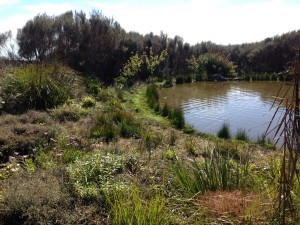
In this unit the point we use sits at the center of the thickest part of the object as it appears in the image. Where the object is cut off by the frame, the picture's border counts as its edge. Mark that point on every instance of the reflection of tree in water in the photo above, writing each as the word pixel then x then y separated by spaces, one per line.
pixel 211 92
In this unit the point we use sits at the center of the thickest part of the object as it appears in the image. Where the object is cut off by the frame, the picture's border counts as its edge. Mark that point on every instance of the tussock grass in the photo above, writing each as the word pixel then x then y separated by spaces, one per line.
pixel 215 173
pixel 35 87
pixel 241 135
pixel 224 131
pixel 130 207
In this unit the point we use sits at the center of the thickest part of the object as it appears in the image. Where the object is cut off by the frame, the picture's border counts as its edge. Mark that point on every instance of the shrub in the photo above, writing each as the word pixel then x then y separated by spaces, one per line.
pixel 88 102
pixel 106 131
pixel 168 82
pixel 67 113
pixel 199 77
pixel 130 129
pixel 188 79
pixel 114 123
pixel 224 131
pixel 170 154
pixel 179 80
pixel 32 199
pixel 89 174
pixel 35 87
pixel 92 87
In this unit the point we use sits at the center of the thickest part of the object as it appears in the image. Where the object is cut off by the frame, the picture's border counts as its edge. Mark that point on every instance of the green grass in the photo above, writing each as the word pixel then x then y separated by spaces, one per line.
pixel 215 173
pixel 129 207
pixel 137 102
pixel 35 87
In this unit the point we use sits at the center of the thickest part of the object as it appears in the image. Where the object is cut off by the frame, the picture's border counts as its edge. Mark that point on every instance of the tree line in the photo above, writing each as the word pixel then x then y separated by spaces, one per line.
pixel 99 46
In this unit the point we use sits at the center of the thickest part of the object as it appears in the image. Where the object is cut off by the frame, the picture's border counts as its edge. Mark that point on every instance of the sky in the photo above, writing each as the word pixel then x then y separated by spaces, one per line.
pixel 220 21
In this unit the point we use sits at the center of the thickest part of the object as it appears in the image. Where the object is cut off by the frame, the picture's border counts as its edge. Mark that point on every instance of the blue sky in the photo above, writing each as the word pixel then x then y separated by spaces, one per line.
pixel 220 21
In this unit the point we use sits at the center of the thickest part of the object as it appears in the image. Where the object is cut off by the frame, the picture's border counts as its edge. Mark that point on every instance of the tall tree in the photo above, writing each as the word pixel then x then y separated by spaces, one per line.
pixel 36 39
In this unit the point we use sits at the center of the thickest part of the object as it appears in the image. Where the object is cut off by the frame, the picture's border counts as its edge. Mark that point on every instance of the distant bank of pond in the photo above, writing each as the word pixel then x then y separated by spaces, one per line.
pixel 243 105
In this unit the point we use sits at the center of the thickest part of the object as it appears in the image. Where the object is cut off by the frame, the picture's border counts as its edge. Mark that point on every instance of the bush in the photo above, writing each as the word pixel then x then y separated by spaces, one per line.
pixel 170 154
pixel 179 80
pixel 92 87
pixel 88 102
pixel 188 79
pixel 68 113
pixel 115 122
pixel 168 82
pixel 130 129
pixel 224 131
pixel 199 77
pixel 32 199
pixel 35 87
pixel 89 174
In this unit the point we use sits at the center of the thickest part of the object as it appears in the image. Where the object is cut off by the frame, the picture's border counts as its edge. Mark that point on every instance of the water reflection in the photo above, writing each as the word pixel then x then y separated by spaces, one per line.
pixel 207 105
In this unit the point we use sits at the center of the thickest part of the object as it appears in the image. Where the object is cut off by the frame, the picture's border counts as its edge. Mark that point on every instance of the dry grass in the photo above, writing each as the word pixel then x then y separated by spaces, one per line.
pixel 19 135
pixel 235 207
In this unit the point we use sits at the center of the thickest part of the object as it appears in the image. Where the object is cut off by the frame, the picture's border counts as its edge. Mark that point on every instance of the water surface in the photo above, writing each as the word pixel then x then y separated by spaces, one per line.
pixel 207 105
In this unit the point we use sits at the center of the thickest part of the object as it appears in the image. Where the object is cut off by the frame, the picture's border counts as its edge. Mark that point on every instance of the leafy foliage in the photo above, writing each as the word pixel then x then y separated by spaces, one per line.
pixel 36 39
pixel 89 174
pixel 211 64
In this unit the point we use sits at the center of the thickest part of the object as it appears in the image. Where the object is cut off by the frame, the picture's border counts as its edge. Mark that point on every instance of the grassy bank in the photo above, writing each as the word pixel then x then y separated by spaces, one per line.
pixel 105 157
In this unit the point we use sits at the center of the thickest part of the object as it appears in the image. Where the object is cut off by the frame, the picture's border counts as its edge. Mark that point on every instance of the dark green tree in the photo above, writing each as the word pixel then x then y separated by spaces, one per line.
pixel 37 38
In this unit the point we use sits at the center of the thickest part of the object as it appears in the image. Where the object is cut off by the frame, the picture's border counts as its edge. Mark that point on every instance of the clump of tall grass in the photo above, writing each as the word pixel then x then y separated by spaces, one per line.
pixel 191 147
pixel 114 122
pixel 152 96
pixel 35 87
pixel 215 173
pixel 92 87
pixel 130 207
pixel 241 135
pixel 149 141
pixel 68 112
pixel 177 118
pixel 224 131
pixel 165 110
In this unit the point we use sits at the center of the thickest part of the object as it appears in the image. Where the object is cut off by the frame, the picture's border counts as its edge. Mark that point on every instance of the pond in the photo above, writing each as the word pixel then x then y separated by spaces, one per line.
pixel 242 105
